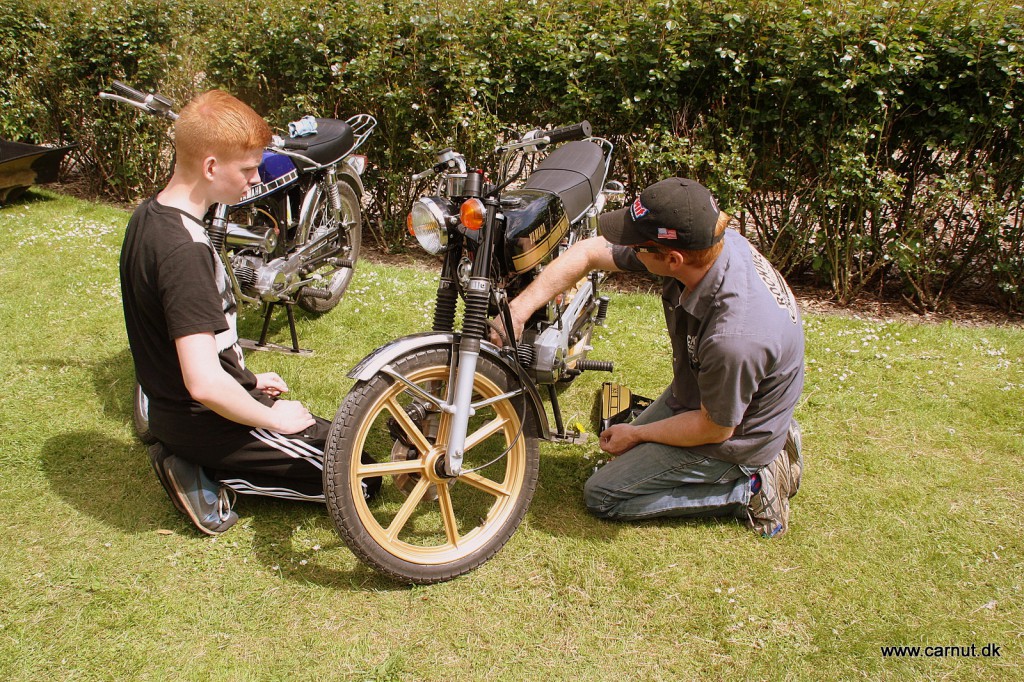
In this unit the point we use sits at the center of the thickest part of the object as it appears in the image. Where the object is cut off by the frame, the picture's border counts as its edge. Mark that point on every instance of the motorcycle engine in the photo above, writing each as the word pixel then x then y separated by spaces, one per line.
pixel 270 280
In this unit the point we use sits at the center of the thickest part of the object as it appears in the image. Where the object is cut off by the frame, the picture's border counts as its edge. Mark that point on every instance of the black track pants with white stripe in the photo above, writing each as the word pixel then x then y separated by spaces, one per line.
pixel 262 462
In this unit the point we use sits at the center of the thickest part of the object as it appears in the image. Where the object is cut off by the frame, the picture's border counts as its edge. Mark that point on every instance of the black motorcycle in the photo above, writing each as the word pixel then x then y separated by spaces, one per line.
pixel 452 420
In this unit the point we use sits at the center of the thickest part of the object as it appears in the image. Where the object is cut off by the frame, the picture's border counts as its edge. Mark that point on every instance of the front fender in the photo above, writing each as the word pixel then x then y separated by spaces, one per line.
pixel 385 355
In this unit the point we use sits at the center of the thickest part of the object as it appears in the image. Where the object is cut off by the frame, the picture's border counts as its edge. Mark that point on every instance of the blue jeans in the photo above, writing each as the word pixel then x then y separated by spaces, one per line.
pixel 656 480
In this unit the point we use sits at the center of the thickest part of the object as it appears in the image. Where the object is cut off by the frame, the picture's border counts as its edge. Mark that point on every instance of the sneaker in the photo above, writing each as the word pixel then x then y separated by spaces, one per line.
pixel 158 455
pixel 206 503
pixel 768 509
pixel 794 453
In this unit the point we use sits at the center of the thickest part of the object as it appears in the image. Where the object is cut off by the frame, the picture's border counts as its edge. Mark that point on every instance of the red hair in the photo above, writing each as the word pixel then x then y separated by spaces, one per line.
pixel 217 124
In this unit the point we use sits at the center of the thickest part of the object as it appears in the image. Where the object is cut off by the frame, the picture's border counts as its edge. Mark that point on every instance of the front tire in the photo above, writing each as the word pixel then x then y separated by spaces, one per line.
pixel 350 237
pixel 422 527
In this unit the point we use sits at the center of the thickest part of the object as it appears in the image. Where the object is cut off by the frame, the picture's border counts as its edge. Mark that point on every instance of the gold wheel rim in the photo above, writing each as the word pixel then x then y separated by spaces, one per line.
pixel 458 541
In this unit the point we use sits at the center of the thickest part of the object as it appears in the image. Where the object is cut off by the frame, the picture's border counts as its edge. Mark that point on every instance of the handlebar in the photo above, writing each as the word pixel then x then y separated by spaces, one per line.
pixel 530 142
pixel 154 104
pixel 448 161
pixel 129 92
pixel 577 131
pixel 536 140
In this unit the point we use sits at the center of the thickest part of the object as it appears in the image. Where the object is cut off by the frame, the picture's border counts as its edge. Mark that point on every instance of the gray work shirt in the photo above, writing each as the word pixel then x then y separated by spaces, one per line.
pixel 737 348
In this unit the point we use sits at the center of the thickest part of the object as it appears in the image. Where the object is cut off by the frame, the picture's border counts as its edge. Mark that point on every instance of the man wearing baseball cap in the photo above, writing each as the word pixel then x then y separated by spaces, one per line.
pixel 721 439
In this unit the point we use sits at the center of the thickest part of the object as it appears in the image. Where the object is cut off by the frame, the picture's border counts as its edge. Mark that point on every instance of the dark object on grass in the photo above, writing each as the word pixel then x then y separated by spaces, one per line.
pixel 619 405
pixel 23 165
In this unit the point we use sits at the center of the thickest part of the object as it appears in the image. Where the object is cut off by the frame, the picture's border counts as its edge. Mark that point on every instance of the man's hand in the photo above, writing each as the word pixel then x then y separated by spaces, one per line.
pixel 619 438
pixel 271 384
pixel 291 416
pixel 208 383
pixel 518 323
pixel 683 430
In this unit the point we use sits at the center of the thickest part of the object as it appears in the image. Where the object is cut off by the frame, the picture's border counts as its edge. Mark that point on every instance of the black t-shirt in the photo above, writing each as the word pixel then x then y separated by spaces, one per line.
pixel 174 285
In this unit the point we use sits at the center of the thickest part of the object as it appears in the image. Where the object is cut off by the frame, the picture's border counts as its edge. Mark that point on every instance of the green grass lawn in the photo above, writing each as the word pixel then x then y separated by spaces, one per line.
pixel 907 530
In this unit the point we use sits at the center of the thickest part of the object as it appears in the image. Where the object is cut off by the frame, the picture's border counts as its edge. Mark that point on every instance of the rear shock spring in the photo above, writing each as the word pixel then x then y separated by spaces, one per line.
pixel 334 195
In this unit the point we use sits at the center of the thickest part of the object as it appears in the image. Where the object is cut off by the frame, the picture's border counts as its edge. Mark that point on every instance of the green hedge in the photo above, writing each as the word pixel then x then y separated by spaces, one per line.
pixel 865 146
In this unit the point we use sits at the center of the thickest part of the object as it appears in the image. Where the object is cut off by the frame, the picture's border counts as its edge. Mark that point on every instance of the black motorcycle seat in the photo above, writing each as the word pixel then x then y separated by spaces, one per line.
pixel 574 172
pixel 331 141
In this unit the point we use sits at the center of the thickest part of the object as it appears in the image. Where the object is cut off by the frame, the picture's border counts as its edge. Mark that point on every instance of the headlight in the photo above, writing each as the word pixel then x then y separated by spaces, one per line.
pixel 428 222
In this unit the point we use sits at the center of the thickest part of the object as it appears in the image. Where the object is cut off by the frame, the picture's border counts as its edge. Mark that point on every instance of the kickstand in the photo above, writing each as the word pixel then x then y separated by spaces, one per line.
pixel 262 344
pixel 561 435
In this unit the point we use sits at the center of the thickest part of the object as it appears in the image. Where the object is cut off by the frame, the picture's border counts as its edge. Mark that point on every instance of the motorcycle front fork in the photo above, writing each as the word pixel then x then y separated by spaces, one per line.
pixel 473 329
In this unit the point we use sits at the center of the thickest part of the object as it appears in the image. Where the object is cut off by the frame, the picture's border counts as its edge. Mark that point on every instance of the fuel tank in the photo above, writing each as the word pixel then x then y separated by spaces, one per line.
pixel 276 171
pixel 535 223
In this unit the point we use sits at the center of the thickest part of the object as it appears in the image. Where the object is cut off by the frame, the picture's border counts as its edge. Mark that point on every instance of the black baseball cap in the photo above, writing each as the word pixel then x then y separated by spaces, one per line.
pixel 675 212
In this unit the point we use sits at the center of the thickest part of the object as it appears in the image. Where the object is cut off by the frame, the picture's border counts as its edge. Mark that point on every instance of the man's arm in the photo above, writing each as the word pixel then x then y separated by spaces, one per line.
pixel 560 275
pixel 209 384
pixel 686 429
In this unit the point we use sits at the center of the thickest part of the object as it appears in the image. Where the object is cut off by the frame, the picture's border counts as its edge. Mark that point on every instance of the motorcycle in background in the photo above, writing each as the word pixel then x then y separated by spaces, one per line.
pixel 452 420
pixel 295 237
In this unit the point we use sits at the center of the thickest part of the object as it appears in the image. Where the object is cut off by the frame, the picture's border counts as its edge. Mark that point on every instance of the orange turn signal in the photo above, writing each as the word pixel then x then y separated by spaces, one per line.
pixel 408 225
pixel 472 214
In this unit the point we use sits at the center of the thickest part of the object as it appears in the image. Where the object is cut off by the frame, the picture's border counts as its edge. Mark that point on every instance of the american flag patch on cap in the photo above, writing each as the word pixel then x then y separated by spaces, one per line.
pixel 666 234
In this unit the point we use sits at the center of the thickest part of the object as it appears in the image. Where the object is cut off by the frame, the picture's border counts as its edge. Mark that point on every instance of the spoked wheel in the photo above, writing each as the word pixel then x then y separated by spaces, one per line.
pixel 349 236
pixel 423 527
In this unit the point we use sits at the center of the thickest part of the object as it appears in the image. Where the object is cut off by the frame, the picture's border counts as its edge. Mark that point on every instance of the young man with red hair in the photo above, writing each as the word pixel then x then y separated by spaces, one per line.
pixel 218 424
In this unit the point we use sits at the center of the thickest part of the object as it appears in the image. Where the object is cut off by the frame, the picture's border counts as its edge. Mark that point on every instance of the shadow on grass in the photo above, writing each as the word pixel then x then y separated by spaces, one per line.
pixel 108 479
pixel 275 523
pixel 113 380
pixel 113 482
pixel 74 460
pixel 81 463
pixel 558 508
pixel 25 197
